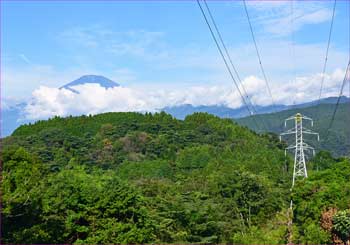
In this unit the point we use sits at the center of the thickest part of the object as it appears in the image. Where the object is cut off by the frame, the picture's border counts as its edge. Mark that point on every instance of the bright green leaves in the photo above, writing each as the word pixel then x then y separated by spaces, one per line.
pixel 21 188
pixel 321 191
pixel 70 206
pixel 341 225
pixel 194 157
pixel 20 180
pixel 146 169
pixel 96 209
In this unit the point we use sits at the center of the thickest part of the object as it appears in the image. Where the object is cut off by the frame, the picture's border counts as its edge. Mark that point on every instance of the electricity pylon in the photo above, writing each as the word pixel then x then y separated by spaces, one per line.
pixel 300 146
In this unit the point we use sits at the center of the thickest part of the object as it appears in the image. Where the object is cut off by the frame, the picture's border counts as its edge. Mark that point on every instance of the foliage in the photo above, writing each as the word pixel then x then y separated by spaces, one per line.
pixel 323 190
pixel 149 178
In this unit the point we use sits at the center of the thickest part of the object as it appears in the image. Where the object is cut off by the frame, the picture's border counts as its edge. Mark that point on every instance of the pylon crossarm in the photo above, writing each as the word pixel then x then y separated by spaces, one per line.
pixel 306 118
pixel 305 145
pixel 289 148
pixel 309 148
pixel 290 131
pixel 305 129
pixel 288 119
pixel 308 131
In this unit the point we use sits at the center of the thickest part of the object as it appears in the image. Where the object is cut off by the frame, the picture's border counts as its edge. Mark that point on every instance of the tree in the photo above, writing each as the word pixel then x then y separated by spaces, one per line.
pixel 21 188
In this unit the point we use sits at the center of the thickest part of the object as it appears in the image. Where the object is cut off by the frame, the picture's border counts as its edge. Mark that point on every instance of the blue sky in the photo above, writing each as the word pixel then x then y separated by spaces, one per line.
pixel 166 45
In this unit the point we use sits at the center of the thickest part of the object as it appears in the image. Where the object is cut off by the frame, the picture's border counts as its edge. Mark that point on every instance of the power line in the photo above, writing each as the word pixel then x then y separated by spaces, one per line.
pixel 259 58
pixel 257 53
pixel 327 50
pixel 230 61
pixel 224 59
pixel 346 78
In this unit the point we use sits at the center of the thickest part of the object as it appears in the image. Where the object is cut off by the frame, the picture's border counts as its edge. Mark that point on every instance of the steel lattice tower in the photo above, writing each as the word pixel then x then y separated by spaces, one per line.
pixel 300 146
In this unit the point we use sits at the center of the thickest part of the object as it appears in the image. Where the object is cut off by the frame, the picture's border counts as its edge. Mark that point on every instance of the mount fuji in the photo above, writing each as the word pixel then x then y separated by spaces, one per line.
pixel 101 80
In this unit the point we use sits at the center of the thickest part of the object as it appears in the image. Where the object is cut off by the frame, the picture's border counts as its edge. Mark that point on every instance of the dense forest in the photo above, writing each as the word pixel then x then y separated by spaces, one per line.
pixel 150 178
pixel 335 140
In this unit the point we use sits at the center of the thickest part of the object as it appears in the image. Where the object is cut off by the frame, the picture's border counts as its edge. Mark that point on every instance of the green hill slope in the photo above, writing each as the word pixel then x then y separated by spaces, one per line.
pixel 134 178
pixel 337 140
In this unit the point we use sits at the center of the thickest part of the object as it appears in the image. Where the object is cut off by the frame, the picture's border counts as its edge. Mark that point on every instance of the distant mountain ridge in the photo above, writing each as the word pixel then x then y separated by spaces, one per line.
pixel 181 111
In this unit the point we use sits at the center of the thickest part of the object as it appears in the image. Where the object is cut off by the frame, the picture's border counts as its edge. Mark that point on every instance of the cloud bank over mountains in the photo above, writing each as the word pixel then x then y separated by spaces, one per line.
pixel 92 98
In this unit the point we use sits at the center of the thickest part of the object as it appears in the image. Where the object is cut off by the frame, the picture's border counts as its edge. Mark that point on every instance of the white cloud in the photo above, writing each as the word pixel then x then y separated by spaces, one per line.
pixel 92 98
pixel 276 16
pixel 307 88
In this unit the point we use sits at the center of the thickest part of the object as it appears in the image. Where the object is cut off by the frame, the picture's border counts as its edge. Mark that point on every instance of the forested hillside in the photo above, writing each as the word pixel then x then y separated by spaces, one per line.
pixel 149 178
pixel 336 140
